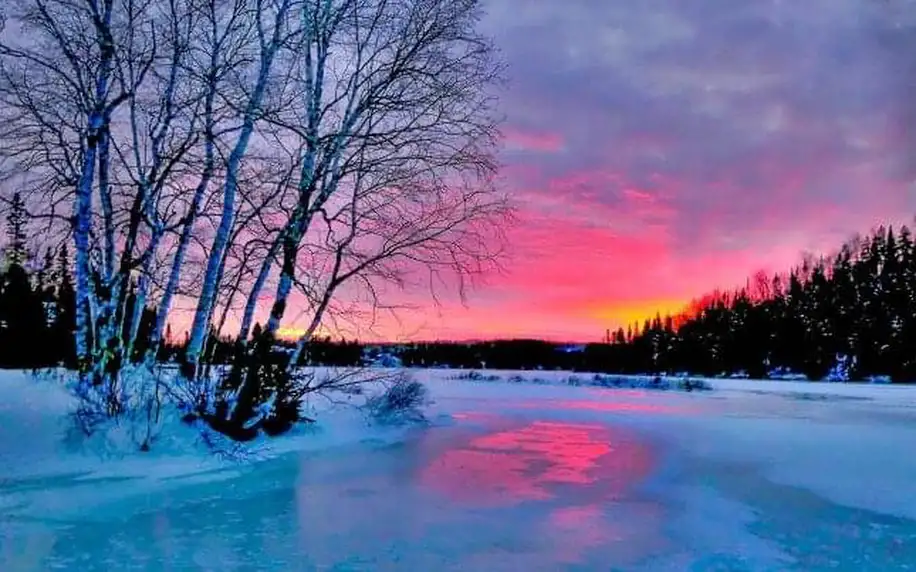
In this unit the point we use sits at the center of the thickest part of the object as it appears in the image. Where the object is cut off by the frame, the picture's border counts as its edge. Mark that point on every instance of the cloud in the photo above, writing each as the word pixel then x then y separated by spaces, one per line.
pixel 519 140
pixel 662 148
pixel 726 97
pixel 699 137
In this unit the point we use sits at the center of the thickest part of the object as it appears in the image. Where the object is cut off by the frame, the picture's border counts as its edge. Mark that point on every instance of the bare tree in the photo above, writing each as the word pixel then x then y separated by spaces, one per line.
pixel 310 148
pixel 125 102
pixel 63 81
pixel 271 38
pixel 391 102
pixel 217 55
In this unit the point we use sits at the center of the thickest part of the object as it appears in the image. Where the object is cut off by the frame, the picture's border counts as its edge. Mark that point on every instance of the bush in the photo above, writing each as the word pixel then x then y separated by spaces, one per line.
pixel 655 382
pixel 135 422
pixel 257 393
pixel 692 385
pixel 401 402
pixel 476 376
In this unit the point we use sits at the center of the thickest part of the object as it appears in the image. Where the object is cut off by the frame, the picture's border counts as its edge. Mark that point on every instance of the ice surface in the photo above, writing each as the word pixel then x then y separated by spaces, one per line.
pixel 510 476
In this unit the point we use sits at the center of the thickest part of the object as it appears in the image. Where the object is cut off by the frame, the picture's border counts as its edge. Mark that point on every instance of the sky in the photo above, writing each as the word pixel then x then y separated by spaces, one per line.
pixel 658 149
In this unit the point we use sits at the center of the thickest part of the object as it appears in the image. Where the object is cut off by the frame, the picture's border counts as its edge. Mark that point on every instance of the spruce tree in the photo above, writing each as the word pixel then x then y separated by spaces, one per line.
pixel 16 232
pixel 24 336
pixel 64 325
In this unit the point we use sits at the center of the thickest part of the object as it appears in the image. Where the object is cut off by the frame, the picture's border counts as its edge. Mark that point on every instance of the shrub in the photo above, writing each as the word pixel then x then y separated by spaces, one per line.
pixel 655 382
pixel 401 402
pixel 257 393
pixel 138 419
pixel 475 376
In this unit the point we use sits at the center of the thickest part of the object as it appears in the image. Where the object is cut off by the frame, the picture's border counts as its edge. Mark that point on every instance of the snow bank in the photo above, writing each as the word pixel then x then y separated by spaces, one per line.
pixel 615 381
pixel 899 395
pixel 47 463
pixel 33 422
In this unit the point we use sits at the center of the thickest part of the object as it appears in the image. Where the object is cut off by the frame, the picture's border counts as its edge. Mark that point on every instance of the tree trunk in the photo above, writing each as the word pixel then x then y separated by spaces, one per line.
pixel 82 229
pixel 251 304
pixel 201 325
pixel 142 290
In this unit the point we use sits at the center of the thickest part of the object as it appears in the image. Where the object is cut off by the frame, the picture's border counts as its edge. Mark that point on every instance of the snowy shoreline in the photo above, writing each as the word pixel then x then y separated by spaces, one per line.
pixel 712 460
pixel 36 445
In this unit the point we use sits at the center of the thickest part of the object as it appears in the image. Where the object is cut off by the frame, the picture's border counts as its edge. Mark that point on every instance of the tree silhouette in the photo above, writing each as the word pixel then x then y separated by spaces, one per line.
pixel 16 252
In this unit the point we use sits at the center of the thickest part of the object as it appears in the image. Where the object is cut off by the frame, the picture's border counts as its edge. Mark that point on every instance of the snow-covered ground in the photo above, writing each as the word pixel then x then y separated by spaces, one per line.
pixel 532 475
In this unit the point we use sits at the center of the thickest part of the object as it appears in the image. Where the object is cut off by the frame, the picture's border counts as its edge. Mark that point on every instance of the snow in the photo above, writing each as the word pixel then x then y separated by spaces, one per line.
pixel 41 447
pixel 535 475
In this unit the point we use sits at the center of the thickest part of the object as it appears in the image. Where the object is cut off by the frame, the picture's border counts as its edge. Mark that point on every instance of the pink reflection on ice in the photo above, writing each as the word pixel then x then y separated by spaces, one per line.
pixel 618 393
pixel 475 416
pixel 574 531
pixel 524 464
pixel 162 531
pixel 574 517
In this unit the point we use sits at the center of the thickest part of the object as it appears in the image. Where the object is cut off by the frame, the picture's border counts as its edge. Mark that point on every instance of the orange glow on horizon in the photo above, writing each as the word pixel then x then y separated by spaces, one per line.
pixel 623 315
pixel 290 333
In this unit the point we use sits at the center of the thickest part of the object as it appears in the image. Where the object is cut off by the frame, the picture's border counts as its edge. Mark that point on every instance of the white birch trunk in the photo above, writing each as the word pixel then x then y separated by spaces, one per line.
pixel 187 231
pixel 142 290
pixel 252 302
pixel 85 302
pixel 201 325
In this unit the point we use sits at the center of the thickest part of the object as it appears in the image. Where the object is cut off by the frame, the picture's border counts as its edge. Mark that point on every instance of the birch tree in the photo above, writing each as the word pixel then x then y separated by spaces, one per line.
pixel 223 31
pixel 392 104
pixel 63 81
pixel 272 21
pixel 229 151
pixel 111 107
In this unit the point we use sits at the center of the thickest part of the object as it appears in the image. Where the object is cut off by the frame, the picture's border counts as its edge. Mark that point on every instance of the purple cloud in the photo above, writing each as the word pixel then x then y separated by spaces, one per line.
pixel 761 112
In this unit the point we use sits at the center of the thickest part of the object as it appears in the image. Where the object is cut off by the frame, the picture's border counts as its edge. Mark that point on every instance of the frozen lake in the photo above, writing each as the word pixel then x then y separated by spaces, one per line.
pixel 524 477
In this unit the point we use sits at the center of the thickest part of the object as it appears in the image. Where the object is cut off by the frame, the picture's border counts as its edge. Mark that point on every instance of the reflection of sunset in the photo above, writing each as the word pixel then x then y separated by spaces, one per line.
pixel 512 466
pixel 575 517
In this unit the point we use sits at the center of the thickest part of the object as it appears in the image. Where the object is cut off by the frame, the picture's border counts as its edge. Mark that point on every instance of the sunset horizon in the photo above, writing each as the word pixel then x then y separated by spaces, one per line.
pixel 691 152
pixel 482 285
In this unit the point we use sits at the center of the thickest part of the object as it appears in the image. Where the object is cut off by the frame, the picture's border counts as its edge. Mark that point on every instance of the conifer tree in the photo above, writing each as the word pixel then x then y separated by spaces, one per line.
pixel 64 323
pixel 16 232
pixel 856 308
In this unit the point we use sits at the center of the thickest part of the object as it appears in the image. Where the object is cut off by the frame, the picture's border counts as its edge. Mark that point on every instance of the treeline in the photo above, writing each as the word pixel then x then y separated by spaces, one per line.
pixel 503 354
pixel 37 308
pixel 38 313
pixel 851 315
pixel 38 303
pixel 848 316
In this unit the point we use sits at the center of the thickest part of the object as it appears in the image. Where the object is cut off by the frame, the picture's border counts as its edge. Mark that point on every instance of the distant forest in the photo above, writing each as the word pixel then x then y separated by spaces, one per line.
pixel 851 315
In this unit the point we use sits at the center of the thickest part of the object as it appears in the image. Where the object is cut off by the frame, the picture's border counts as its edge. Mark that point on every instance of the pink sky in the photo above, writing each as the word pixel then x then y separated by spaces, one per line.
pixel 656 152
